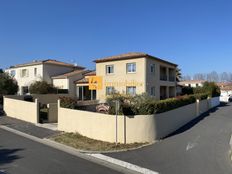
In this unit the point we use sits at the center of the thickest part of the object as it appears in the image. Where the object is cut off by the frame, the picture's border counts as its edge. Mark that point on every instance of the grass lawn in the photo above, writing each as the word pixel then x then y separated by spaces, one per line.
pixel 83 143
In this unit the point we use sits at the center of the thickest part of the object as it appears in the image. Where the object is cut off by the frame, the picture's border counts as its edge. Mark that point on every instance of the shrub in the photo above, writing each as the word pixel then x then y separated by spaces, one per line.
pixel 210 88
pixel 173 103
pixel 124 101
pixel 68 102
pixel 8 86
pixel 186 90
pixel 201 96
pixel 42 87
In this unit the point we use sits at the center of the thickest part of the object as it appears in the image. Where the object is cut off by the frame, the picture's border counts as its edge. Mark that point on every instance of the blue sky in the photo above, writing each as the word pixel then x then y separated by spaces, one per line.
pixel 195 34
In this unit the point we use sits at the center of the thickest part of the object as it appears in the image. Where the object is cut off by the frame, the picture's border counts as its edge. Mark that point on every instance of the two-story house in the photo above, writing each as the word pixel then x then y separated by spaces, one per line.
pixel 136 73
pixel 27 73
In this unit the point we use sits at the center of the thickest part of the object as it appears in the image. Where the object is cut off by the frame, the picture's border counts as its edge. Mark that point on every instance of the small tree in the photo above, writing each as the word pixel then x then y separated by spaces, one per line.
pixel 8 86
pixel 42 87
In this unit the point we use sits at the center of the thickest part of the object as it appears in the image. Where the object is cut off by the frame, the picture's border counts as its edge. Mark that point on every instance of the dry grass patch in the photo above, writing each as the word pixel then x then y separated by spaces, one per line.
pixel 84 143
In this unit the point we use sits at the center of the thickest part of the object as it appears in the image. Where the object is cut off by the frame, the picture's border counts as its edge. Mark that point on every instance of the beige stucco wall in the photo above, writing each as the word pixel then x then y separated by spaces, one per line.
pixel 27 111
pixel 138 128
pixel 52 112
pixel 60 83
pixel 204 106
pixel 143 78
pixel 121 76
pixel 50 70
pixel 68 83
pixel 90 124
pixel 153 78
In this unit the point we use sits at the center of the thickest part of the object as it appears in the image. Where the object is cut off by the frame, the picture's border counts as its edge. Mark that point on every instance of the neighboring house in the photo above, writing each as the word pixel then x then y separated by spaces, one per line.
pixel 225 87
pixel 136 73
pixel 192 83
pixel 131 73
pixel 82 87
pixel 226 91
pixel 27 73
pixel 67 80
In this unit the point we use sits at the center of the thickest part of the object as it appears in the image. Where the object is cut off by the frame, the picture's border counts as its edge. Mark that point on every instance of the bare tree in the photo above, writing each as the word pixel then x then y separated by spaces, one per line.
pixel 186 77
pixel 199 76
pixel 224 77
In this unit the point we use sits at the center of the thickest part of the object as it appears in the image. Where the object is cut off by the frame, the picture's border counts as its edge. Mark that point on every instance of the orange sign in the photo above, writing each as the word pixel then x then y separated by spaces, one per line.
pixel 95 82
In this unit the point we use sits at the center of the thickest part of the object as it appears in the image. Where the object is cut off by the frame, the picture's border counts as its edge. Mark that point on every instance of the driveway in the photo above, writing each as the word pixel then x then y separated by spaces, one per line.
pixel 202 146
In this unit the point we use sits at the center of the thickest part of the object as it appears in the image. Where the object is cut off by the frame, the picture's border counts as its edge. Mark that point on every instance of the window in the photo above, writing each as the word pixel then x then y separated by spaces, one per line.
pixel 153 91
pixel 12 73
pixel 152 68
pixel 35 71
pixel 131 90
pixel 131 67
pixel 24 73
pixel 109 69
pixel 197 85
pixel 109 90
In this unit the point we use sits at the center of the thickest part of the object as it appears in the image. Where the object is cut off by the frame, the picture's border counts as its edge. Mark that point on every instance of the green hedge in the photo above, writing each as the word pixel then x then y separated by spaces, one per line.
pixel 210 88
pixel 68 102
pixel 146 105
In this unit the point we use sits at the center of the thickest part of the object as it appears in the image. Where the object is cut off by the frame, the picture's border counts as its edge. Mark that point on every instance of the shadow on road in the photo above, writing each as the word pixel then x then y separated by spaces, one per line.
pixel 8 155
pixel 196 120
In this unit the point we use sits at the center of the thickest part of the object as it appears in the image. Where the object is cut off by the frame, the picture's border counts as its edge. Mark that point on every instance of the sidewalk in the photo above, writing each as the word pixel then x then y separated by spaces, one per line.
pixel 27 128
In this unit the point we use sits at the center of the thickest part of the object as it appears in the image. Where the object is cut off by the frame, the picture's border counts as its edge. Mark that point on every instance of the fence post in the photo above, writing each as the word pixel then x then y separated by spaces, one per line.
pixel 197 107
pixel 37 110
pixel 209 103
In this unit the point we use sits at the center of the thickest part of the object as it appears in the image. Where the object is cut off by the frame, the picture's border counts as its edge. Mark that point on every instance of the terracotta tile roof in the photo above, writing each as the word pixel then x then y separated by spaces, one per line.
pixel 221 84
pixel 70 74
pixel 131 55
pixel 48 61
pixel 191 82
pixel 226 88
pixel 85 79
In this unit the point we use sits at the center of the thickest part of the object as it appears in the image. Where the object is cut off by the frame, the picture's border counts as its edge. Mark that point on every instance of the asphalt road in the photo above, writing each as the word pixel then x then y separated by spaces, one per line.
pixel 201 147
pixel 19 155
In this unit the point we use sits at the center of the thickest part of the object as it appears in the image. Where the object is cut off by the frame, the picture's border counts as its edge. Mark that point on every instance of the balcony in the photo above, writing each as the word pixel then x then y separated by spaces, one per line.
pixel 172 78
pixel 163 77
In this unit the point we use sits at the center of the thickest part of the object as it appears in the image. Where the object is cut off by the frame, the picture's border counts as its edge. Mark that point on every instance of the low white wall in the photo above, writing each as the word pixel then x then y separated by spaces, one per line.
pixel 23 110
pixel 138 128
pixel 168 122
pixel 214 102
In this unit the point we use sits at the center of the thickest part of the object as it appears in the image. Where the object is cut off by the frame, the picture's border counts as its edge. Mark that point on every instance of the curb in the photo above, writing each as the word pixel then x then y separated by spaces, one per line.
pixel 100 159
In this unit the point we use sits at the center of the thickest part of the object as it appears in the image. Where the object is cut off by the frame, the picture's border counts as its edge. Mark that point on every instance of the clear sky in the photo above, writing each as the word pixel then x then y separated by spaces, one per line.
pixel 196 34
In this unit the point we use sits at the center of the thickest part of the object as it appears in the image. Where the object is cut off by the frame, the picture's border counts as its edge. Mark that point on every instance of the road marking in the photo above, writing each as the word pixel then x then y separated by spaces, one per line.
pixel 124 164
pixel 191 145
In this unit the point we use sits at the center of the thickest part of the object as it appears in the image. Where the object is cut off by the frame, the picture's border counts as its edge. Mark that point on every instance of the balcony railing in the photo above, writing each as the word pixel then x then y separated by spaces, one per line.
pixel 172 78
pixel 163 77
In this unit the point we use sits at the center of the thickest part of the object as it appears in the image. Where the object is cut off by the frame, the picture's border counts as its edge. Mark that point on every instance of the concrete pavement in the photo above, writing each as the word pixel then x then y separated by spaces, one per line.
pixel 202 146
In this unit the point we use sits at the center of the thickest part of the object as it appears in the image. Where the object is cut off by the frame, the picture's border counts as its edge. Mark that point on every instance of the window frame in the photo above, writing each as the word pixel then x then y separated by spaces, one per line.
pixel 108 66
pixel 112 90
pixel 131 68
pixel 134 90
pixel 152 92
pixel 152 68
